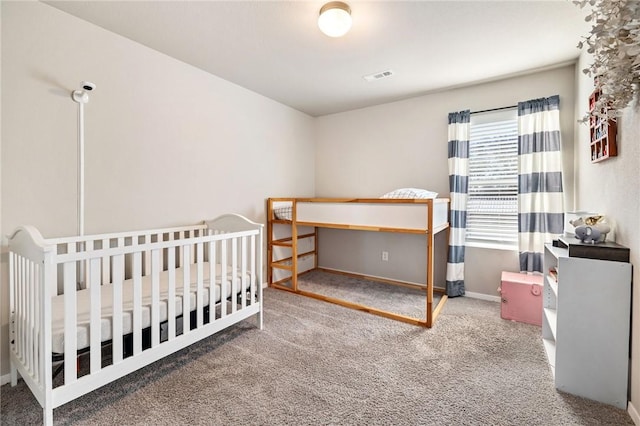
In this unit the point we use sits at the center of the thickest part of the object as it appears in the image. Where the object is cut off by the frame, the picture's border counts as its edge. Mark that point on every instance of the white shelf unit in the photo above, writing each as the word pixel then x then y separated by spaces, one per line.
pixel 585 325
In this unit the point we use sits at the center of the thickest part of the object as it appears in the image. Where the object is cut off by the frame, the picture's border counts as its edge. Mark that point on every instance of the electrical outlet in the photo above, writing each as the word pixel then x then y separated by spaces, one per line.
pixel 385 256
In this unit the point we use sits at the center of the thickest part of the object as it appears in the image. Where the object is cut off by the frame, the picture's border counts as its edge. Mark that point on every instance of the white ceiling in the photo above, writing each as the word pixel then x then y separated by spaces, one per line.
pixel 275 48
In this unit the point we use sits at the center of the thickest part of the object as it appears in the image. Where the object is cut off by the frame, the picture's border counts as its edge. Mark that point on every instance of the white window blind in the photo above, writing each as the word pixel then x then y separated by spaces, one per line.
pixel 492 203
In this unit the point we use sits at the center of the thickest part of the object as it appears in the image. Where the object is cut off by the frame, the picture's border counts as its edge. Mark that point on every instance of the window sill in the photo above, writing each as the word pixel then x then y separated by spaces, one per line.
pixel 493 246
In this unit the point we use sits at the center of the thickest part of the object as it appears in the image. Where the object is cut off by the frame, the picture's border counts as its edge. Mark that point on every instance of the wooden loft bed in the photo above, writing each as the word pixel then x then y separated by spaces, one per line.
pixel 294 221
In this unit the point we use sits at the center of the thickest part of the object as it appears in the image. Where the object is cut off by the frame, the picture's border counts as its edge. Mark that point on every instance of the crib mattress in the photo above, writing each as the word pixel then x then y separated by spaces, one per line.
pixel 106 297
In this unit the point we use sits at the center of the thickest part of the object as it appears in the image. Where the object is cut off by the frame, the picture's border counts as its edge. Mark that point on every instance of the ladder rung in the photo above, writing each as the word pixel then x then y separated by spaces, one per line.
pixel 281 221
pixel 289 239
pixel 279 265
pixel 280 243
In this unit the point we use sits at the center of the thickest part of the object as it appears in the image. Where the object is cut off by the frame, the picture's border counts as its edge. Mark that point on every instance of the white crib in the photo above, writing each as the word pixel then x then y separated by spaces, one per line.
pixel 118 300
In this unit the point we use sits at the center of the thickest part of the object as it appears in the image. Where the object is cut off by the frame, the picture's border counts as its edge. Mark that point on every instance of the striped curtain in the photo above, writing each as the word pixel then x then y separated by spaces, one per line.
pixel 458 186
pixel 540 198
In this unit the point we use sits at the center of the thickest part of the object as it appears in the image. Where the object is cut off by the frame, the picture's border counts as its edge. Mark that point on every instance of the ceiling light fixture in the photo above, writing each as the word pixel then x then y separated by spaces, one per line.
pixel 335 19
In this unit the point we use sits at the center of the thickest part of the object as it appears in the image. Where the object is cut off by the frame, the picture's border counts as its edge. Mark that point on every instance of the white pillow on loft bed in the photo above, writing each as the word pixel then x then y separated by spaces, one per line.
pixel 410 193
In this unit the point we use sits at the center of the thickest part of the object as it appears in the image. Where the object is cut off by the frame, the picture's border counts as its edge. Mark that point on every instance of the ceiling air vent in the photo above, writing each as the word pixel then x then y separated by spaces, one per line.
pixel 378 75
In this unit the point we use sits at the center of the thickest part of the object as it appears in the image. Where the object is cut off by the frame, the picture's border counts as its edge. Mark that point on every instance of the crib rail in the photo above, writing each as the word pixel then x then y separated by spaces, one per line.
pixel 175 286
pixel 79 244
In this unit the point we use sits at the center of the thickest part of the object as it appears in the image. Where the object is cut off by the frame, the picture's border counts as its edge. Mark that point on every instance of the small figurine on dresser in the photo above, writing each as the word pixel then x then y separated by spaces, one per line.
pixel 591 229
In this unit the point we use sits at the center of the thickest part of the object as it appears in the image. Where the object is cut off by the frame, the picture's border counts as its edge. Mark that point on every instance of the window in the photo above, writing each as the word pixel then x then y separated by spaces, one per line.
pixel 492 203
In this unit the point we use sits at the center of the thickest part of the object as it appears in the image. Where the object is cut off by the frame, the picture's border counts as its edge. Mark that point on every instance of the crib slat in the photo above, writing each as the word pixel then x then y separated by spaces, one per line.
pixel 106 276
pixel 252 274
pixel 70 319
pixel 213 276
pixel 186 281
pixel 20 342
pixel 155 298
pixel 26 356
pixel 116 333
pixel 212 281
pixel 199 288
pixel 49 276
pixel 95 316
pixel 146 259
pixel 180 249
pixel 223 279
pixel 71 248
pixel 25 304
pixel 85 266
pixel 37 349
pixel 31 344
pixel 23 315
pixel 171 302
pixel 27 314
pixel 234 274
pixel 192 247
pixel 137 303
pixel 159 239
pixel 20 307
pixel 12 311
pixel 243 271
pixel 36 320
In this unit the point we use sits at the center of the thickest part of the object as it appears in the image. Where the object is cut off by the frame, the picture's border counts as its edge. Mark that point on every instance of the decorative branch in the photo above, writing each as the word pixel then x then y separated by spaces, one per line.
pixel 614 42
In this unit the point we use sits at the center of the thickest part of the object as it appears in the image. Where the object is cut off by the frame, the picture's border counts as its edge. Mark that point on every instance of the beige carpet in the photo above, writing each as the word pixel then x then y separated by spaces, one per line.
pixel 320 364
pixel 393 298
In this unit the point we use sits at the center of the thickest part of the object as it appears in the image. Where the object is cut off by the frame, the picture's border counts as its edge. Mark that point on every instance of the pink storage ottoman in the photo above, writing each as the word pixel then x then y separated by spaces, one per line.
pixel 521 297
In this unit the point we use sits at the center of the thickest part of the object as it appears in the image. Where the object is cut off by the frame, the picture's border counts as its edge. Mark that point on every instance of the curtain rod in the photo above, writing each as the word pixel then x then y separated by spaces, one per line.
pixel 494 109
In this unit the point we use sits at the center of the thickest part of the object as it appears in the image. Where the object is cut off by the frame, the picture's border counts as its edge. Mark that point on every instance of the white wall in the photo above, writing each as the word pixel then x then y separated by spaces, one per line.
pixel 612 187
pixel 370 151
pixel 166 143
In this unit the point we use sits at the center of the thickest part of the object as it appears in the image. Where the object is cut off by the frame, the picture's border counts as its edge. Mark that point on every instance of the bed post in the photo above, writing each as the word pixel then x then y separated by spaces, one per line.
pixel 294 246
pixel 48 279
pixel 430 241
pixel 260 318
pixel 47 416
pixel 12 334
pixel 269 238
pixel 14 375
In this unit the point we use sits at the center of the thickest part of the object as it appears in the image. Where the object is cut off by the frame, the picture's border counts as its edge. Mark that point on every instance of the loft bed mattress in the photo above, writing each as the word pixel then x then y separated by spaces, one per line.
pixel 397 214
pixel 83 303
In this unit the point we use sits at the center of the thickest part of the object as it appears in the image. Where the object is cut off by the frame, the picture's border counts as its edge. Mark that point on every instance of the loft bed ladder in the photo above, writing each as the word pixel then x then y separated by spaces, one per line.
pixel 288 263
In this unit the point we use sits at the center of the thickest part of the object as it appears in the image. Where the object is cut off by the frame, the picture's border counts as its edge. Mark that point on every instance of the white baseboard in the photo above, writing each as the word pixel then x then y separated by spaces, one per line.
pixel 482 296
pixel 470 294
pixel 473 295
pixel 635 416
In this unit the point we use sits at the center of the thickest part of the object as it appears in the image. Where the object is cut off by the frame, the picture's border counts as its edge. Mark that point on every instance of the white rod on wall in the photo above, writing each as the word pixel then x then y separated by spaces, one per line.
pixel 81 169
pixel 81 97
